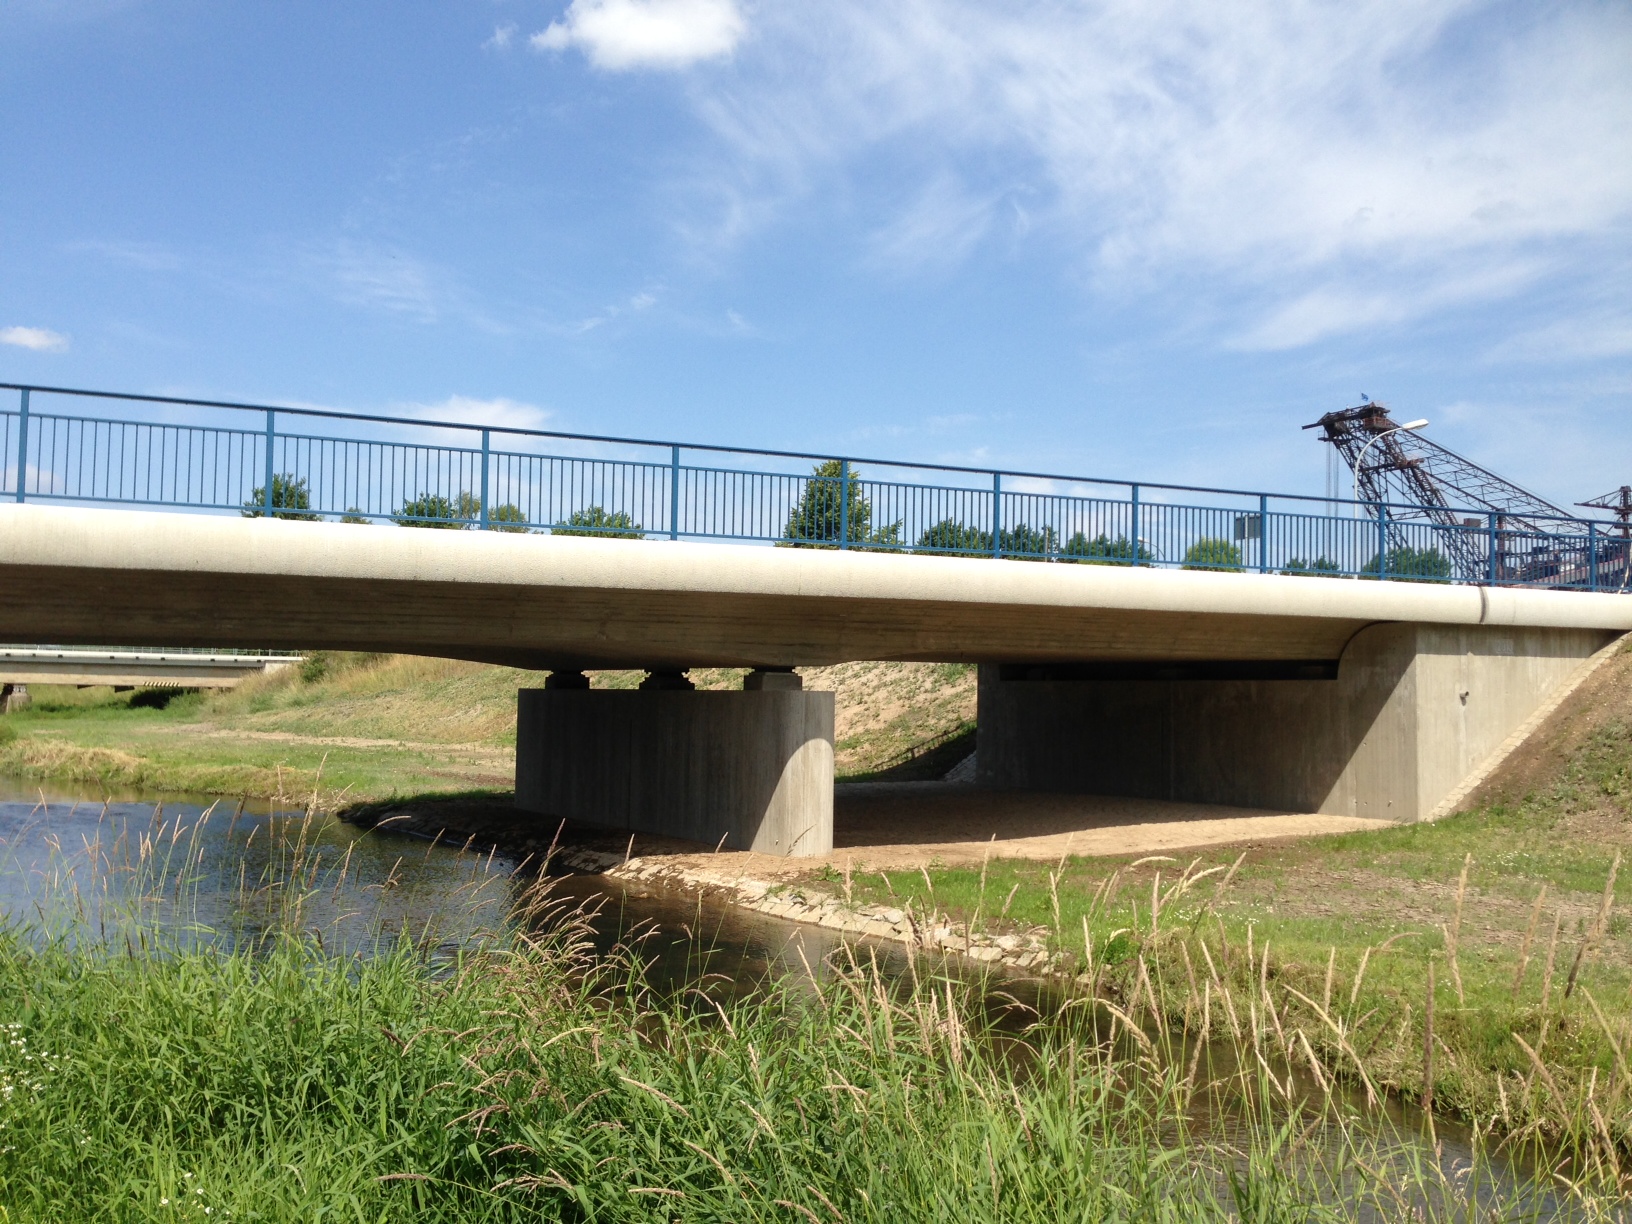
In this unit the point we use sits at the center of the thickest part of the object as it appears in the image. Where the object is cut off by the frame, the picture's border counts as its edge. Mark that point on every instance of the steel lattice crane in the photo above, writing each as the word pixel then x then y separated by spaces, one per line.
pixel 1514 536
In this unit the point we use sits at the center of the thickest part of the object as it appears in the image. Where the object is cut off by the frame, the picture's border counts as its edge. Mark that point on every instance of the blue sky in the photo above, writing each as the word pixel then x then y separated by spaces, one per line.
pixel 1137 237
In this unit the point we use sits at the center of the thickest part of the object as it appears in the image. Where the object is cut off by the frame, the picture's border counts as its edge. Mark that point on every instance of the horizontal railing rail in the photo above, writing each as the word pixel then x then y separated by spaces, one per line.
pixel 309 463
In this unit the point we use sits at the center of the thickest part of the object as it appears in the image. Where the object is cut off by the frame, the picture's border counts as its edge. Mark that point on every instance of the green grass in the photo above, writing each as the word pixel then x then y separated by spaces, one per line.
pixel 526 1082
pixel 1389 900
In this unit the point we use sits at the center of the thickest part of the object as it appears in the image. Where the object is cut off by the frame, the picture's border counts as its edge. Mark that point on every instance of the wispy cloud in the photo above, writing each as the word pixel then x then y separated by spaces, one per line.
pixel 1292 151
pixel 619 35
pixel 381 279
pixel 503 35
pixel 39 339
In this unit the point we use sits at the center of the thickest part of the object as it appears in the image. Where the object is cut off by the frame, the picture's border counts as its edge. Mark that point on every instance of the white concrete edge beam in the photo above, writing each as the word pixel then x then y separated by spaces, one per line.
pixel 133 540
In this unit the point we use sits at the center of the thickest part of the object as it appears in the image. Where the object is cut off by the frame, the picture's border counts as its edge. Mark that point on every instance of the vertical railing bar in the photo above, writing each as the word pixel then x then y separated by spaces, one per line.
pixel 1491 535
pixel 271 430
pixel 844 503
pixel 1263 534
pixel 485 454
pixel 22 442
pixel 997 514
pixel 1133 526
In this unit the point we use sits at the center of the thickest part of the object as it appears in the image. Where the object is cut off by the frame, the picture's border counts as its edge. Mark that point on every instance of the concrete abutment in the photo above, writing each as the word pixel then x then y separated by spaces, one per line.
pixel 1390 732
pixel 749 770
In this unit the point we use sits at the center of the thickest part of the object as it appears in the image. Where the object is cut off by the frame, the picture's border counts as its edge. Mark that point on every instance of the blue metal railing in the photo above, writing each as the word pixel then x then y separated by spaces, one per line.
pixel 257 459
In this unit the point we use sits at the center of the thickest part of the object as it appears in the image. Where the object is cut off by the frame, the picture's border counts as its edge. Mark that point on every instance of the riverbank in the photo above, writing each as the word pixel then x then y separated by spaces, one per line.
pixel 528 1078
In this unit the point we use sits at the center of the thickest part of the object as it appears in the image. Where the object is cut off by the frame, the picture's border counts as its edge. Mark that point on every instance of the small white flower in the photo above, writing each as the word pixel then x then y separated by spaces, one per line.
pixel 164 1202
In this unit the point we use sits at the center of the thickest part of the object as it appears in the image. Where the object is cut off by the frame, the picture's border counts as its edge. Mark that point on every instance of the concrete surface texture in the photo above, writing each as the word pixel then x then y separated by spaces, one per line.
pixel 547 602
pixel 748 770
pixel 1412 712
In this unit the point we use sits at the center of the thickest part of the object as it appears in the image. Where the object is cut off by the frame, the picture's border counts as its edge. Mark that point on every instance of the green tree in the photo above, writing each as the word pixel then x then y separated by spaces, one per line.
pixel 954 539
pixel 1320 567
pixel 596 521
pixel 1102 550
pixel 1026 543
pixel 1412 564
pixel 354 514
pixel 831 507
pixel 507 517
pixel 1212 553
pixel 434 510
pixel 287 492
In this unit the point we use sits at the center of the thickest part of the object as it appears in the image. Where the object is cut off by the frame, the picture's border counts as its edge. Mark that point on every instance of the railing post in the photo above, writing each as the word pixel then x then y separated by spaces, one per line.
pixel 1592 556
pixel 674 493
pixel 844 503
pixel 1490 535
pixel 997 514
pixel 1263 533
pixel 1382 540
pixel 1133 556
pixel 22 442
pixel 486 450
pixel 270 434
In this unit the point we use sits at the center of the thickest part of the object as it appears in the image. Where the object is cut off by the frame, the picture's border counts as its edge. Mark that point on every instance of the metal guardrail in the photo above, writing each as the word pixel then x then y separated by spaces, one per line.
pixel 302 463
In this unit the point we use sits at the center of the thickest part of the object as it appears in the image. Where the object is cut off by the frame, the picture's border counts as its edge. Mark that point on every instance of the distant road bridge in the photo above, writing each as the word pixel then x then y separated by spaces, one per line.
pixel 1118 665
pixel 85 666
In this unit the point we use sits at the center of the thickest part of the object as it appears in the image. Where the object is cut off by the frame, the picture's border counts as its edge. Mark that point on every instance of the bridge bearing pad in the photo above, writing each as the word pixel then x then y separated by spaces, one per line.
pixel 749 770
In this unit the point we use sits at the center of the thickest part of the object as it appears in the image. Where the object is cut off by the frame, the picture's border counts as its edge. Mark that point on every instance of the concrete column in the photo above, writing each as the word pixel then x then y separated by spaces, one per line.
pixel 14 697
pixel 1387 731
pixel 751 770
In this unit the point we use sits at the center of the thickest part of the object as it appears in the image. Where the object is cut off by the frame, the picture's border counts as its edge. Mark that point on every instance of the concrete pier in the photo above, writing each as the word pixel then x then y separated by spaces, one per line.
pixel 750 770
pixel 1390 730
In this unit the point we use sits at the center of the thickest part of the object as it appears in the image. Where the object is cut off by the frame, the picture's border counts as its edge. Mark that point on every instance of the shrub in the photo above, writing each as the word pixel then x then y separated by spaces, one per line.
pixel 596 521
pixel 952 538
pixel 1102 550
pixel 1320 567
pixel 1212 553
pixel 355 515
pixel 434 510
pixel 1413 564
pixel 507 517
pixel 288 492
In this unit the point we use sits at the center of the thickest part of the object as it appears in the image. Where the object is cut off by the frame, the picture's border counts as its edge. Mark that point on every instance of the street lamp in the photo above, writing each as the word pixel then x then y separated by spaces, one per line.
pixel 1361 460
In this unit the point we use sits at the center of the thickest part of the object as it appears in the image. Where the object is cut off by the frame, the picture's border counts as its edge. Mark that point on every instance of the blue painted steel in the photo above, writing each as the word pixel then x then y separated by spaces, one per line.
pixel 1135 537
pixel 22 441
pixel 844 503
pixel 487 454
pixel 997 514
pixel 386 469
pixel 271 437
pixel 674 493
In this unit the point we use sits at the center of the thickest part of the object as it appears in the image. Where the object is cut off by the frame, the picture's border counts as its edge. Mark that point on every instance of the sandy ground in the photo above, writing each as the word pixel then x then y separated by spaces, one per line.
pixel 910 824
pixel 893 825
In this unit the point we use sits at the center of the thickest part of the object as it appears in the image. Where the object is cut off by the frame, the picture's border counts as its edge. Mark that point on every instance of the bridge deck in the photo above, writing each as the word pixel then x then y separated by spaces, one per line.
pixel 101 576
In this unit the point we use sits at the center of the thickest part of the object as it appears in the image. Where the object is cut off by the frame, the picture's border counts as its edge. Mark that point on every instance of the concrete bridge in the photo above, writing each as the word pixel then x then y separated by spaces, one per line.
pixel 1311 694
pixel 85 666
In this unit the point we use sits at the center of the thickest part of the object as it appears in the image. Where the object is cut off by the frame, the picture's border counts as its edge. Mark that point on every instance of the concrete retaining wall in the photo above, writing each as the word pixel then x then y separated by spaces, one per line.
pixel 754 768
pixel 1414 709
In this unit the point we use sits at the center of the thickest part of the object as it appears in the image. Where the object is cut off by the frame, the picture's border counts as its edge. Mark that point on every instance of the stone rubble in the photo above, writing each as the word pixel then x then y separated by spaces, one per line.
pixel 803 903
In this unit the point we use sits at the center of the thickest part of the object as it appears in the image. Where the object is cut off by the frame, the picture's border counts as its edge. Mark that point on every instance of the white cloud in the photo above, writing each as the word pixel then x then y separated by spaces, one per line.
pixel 1299 154
pixel 497 413
pixel 40 339
pixel 618 35
pixel 502 36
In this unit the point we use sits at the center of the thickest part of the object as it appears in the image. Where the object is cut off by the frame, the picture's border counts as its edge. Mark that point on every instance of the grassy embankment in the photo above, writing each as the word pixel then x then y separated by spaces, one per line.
pixel 1528 948
pixel 368 727
pixel 524 1080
